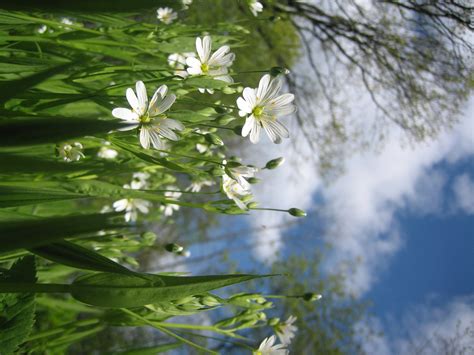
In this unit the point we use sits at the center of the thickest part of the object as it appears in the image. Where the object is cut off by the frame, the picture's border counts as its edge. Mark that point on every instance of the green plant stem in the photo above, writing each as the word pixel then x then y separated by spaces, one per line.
pixel 58 330
pixel 269 209
pixel 191 157
pixel 166 331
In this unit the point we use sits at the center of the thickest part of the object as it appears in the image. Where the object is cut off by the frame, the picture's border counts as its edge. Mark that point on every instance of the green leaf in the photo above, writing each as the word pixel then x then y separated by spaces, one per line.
pixel 113 290
pixel 17 310
pixel 152 350
pixel 206 82
pixel 13 88
pixel 189 116
pixel 38 130
pixel 34 233
pixel 76 256
pixel 87 5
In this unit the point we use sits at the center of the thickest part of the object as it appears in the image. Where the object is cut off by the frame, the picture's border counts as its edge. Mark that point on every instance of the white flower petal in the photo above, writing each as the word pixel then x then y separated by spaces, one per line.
pixel 193 62
pixel 142 97
pixel 132 99
pixel 166 103
pixel 155 140
pixel 278 128
pixel 145 137
pixel 249 123
pixel 172 124
pixel 250 96
pixel 244 106
pixel 125 114
pixel 120 205
pixel 255 132
pixel 282 100
pixel 263 87
pixel 194 70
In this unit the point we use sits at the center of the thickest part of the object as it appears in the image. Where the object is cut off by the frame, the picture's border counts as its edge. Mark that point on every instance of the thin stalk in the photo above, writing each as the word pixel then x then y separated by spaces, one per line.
pixel 166 331
pixel 61 329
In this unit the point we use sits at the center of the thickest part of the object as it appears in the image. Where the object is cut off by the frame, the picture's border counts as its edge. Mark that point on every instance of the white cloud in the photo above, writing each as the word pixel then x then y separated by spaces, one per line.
pixel 463 188
pixel 427 330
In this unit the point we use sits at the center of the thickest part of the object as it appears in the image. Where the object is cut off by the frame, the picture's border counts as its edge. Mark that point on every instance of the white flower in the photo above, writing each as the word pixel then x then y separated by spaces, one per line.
pixel 131 206
pixel 263 106
pixel 186 3
pixel 286 331
pixel 149 117
pixel 70 152
pixel 166 15
pixel 42 29
pixel 168 209
pixel 107 153
pixel 178 62
pixel 202 148
pixel 268 347
pixel 255 7
pixel 196 186
pixel 215 65
pixel 241 174
pixel 234 191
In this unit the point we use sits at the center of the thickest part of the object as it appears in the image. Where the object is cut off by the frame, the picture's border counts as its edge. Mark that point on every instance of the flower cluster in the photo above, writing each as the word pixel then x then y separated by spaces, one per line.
pixel 261 107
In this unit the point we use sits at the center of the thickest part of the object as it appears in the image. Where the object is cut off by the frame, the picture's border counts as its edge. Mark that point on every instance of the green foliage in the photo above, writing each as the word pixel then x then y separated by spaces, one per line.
pixel 17 310
pixel 66 163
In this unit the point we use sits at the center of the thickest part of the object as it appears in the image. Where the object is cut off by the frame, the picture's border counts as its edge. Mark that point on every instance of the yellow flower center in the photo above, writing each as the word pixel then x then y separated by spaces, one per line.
pixel 204 67
pixel 145 118
pixel 258 111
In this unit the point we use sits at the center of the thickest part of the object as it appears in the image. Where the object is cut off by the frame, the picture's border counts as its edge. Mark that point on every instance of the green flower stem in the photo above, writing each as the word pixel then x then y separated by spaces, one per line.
pixel 61 329
pixel 183 192
pixel 228 332
pixel 189 99
pixel 21 287
pixel 166 331
pixel 191 157
pixel 211 126
pixel 269 209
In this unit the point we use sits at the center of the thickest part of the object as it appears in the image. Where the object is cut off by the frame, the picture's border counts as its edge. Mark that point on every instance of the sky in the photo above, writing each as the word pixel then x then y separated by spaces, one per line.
pixel 404 212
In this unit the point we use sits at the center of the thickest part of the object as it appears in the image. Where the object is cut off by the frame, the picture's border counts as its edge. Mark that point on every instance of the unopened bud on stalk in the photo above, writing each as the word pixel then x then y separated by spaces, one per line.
pixel 311 297
pixel 253 180
pixel 213 139
pixel 273 321
pixel 274 163
pixel 296 212
pixel 216 171
pixel 174 248
pixel 275 71
pixel 210 301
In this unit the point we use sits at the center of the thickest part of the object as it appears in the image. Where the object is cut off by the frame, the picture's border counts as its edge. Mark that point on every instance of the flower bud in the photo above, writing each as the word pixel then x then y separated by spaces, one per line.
pixel 216 171
pixel 275 71
pixel 273 321
pixel 148 237
pixel 174 248
pixel 311 297
pixel 252 205
pixel 228 90
pixel 210 301
pixel 213 139
pixel 274 163
pixel 296 212
pixel 225 120
pixel 253 180
pixel 220 109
